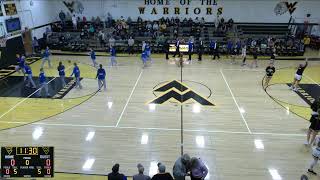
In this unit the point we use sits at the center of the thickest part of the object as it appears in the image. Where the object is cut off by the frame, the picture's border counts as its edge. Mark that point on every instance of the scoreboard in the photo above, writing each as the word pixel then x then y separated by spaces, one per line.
pixel 27 162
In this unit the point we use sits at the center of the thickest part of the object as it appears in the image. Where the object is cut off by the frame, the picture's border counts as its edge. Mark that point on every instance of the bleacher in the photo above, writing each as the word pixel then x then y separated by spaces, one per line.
pixel 272 29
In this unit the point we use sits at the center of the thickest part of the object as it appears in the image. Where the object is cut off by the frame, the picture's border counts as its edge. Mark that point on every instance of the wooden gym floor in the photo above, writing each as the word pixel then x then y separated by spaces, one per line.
pixel 246 135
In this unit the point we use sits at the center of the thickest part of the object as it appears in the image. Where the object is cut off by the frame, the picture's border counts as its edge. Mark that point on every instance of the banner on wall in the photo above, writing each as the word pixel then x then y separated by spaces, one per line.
pixel 179 7
pixel 285 6
pixel 10 9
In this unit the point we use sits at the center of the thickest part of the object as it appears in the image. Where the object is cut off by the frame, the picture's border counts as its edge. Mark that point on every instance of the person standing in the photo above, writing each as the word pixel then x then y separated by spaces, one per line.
pixel 76 73
pixel 298 75
pixel 140 175
pixel 316 156
pixel 130 45
pixel 93 57
pixel 115 175
pixel 28 71
pixel 180 168
pixel 199 171
pixel 270 70
pixel 314 128
pixel 244 55
pixel 46 57
pixel 200 50
pixel 177 48
pixel 216 51
pixel 162 175
pixel 74 22
pixel 101 75
pixel 43 83
pixel 144 58
pixel 62 74
pixel 166 49
pixel 113 61
pixel 255 58
pixel 212 45
pixel 143 47
pixel 148 51
pixel 190 48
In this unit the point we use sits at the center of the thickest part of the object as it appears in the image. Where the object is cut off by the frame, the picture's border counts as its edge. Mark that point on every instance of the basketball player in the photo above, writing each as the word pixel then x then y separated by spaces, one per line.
pixel 255 58
pixel 270 70
pixel 148 51
pixel 93 57
pixel 212 46
pixel 316 156
pixel 216 51
pixel 190 48
pixel 46 57
pixel 62 74
pixel 313 128
pixel 244 54
pixel 298 75
pixel 101 75
pixel 28 71
pixel 76 73
pixel 144 58
pixel 113 61
pixel 315 106
pixel 43 83
pixel 143 45
pixel 233 56
pixel 200 50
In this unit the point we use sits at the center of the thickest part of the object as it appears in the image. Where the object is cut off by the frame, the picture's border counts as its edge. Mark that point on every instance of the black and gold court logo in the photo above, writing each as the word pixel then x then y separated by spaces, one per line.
pixel 291 7
pixel 308 92
pixel 175 91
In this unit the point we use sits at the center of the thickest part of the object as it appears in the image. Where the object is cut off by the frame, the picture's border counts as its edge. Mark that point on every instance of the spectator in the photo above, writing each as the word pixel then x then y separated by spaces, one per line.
pixel 62 17
pixel 112 42
pixel 130 45
pixel 74 22
pixel 149 26
pixel 91 30
pixel 155 26
pixel 101 38
pixel 199 171
pixel 129 21
pixel 162 175
pixel 115 175
pixel 35 45
pixel 84 20
pixel 202 22
pixel 163 27
pixel 140 175
pixel 180 168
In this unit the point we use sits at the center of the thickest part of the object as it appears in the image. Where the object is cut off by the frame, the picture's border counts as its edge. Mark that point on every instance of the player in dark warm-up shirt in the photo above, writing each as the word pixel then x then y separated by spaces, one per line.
pixel 298 76
pixel 270 70
pixel 62 74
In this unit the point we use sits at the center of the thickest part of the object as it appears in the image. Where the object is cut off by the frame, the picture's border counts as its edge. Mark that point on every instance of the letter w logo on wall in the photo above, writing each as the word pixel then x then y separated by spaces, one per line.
pixel 178 92
pixel 69 5
pixel 291 7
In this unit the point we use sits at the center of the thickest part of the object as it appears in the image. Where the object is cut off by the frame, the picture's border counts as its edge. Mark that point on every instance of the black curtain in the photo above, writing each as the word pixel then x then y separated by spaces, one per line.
pixel 8 54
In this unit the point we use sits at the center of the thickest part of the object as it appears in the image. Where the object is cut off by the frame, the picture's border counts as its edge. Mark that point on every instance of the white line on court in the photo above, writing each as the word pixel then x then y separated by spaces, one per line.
pixel 20 102
pixel 159 129
pixel 235 101
pixel 311 79
pixel 125 106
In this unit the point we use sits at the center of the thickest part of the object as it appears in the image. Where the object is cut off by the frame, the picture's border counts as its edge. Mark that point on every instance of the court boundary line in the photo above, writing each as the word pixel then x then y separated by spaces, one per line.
pixel 129 98
pixel 160 129
pixel 235 101
pixel 311 79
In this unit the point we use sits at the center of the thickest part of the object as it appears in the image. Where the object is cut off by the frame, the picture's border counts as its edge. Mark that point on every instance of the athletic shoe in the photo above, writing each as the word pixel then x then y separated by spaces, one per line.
pixel 311 171
pixel 306 143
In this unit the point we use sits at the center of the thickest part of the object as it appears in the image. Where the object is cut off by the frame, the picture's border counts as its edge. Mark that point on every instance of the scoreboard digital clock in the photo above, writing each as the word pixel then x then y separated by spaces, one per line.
pixel 27 162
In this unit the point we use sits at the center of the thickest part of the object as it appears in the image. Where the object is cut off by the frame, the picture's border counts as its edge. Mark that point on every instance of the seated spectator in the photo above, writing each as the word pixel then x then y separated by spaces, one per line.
pixel 139 20
pixel 129 20
pixel 93 20
pixel 112 42
pixel 162 175
pixel 163 27
pixel 185 22
pixel 91 30
pixel 122 18
pixel 115 175
pixel 101 38
pixel 98 21
pixel 197 21
pixel 140 175
pixel 199 170
pixel 155 26
pixel 149 26
pixel 202 22
pixel 177 20
pixel 84 19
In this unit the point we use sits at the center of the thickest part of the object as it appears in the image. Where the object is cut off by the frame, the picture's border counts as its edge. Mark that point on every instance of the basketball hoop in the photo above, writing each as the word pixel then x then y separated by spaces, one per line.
pixel 3 41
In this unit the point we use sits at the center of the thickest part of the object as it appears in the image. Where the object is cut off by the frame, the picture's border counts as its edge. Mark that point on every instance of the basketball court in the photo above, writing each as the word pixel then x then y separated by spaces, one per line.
pixel 243 130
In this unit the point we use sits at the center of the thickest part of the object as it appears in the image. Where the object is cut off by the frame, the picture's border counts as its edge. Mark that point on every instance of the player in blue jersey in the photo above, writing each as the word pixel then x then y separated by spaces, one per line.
pixel 43 83
pixel 62 74
pixel 101 75
pixel 46 57
pixel 20 63
pixel 113 56
pixel 92 54
pixel 76 73
pixel 148 51
pixel 144 58
pixel 28 72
